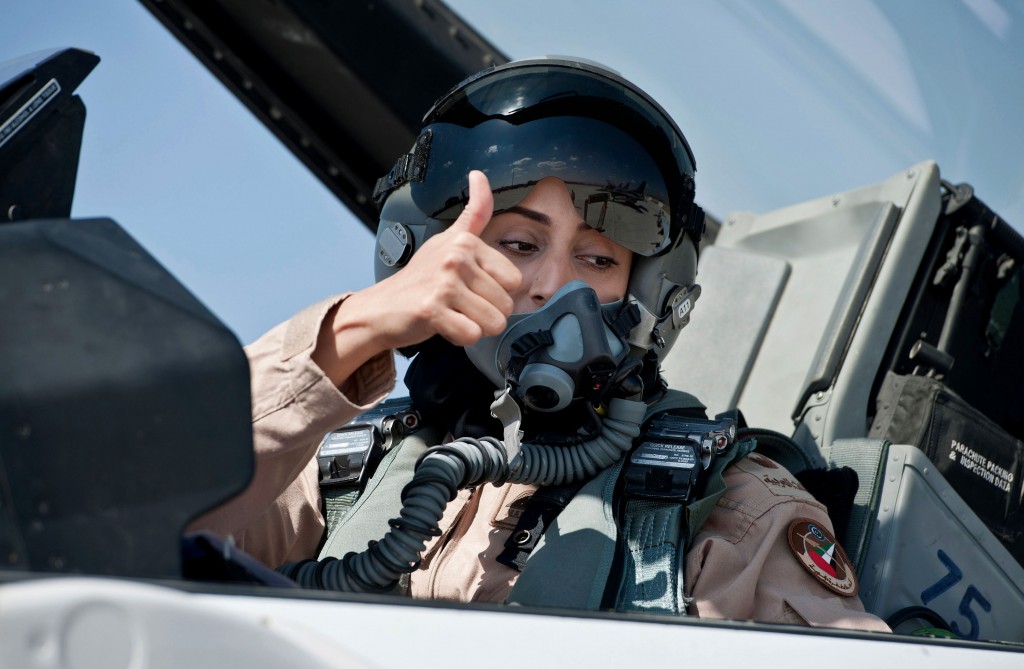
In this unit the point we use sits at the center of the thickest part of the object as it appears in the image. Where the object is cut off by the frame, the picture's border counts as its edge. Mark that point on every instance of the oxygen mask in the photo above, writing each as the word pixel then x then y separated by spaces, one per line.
pixel 571 349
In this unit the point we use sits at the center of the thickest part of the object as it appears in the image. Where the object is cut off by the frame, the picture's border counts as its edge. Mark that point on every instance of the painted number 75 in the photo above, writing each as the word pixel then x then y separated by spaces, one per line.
pixel 953 576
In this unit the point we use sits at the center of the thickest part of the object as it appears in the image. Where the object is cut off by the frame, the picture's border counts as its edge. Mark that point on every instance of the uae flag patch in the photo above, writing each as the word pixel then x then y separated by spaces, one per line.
pixel 820 554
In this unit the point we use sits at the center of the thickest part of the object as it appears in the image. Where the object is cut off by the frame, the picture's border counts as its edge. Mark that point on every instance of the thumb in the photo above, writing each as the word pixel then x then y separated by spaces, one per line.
pixel 480 208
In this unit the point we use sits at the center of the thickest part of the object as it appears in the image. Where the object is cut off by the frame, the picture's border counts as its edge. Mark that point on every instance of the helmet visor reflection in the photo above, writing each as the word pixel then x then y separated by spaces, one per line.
pixel 617 188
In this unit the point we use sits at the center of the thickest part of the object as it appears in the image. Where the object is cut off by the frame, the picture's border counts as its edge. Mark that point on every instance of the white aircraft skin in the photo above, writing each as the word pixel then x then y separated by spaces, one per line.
pixel 110 623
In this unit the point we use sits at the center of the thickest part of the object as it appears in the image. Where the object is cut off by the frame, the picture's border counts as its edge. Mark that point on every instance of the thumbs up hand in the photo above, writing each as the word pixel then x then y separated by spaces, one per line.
pixel 455 285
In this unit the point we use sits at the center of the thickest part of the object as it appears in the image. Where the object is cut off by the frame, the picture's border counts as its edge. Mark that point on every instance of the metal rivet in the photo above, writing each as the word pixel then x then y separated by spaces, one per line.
pixel 522 536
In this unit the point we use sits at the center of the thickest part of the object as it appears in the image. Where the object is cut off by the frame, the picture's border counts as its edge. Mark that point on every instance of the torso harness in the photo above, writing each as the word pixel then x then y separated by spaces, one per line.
pixel 650 504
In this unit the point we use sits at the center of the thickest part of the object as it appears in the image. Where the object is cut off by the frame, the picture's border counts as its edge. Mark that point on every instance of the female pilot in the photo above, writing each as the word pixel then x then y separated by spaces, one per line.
pixel 539 295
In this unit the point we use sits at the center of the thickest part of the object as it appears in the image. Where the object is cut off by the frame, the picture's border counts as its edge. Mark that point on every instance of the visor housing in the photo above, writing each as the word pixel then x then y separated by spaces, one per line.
pixel 616 187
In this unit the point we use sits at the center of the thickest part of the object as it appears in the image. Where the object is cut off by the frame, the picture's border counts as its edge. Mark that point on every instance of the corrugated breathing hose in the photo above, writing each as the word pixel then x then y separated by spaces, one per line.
pixel 444 470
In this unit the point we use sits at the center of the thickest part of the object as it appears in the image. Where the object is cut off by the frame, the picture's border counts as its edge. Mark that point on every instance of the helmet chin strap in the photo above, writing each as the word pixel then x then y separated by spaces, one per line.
pixel 444 470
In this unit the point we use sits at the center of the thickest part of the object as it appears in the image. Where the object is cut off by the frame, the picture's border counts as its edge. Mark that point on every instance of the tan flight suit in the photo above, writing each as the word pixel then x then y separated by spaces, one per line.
pixel 740 565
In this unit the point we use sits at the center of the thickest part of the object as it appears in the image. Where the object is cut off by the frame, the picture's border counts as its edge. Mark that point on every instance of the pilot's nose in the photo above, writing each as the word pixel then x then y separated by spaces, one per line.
pixel 553 273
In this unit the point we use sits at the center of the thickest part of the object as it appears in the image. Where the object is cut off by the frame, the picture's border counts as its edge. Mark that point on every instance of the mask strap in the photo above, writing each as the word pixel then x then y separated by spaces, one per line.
pixel 627 319
pixel 523 347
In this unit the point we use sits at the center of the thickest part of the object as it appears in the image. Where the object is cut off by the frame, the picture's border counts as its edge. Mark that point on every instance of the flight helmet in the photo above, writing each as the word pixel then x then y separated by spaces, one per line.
pixel 627 164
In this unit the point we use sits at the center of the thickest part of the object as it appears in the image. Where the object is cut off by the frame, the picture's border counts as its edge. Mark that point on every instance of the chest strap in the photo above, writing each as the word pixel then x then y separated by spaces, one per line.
pixel 657 535
pixel 338 502
pixel 654 548
pixel 541 509
pixel 548 501
pixel 381 499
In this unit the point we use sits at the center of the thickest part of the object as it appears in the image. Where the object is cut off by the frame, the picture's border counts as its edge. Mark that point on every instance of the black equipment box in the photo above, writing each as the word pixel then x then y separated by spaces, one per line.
pixel 951 382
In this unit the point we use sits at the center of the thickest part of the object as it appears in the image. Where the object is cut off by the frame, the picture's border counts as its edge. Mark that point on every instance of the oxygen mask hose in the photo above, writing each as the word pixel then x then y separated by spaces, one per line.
pixel 444 470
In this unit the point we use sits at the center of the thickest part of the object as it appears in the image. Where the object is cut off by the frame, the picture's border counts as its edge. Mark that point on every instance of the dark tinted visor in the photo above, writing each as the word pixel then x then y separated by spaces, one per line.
pixel 552 87
pixel 617 187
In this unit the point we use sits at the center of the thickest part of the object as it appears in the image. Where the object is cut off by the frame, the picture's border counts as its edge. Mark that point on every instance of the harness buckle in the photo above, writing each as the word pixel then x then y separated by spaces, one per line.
pixel 672 455
pixel 349 455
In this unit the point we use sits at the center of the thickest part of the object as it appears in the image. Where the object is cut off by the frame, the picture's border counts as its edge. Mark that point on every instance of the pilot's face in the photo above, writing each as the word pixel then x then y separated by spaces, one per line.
pixel 551 245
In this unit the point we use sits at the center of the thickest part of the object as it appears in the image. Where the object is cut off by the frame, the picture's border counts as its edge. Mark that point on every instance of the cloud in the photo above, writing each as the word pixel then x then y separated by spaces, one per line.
pixel 552 164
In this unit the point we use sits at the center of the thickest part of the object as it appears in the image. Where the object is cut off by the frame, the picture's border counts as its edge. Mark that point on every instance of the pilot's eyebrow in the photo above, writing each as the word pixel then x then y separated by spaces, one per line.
pixel 534 215
pixel 527 213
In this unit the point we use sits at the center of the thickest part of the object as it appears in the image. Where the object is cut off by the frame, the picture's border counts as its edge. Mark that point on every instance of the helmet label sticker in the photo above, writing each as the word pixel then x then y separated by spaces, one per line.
pixel 682 304
pixel 817 550
pixel 684 308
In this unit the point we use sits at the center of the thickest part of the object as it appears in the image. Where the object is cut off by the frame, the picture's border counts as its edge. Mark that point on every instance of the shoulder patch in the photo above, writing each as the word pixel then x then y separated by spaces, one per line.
pixel 817 550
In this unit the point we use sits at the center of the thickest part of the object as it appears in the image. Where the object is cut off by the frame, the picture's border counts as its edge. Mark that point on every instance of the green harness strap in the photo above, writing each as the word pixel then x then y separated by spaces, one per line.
pixel 655 539
pixel 572 563
pixel 367 519
pixel 653 557
pixel 338 502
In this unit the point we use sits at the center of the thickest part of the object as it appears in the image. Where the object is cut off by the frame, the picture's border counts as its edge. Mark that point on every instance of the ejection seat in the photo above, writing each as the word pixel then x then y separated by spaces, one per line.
pixel 803 314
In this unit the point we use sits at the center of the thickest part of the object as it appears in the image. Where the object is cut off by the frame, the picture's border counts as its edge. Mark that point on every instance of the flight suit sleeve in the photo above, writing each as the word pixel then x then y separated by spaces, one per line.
pixel 277 518
pixel 744 566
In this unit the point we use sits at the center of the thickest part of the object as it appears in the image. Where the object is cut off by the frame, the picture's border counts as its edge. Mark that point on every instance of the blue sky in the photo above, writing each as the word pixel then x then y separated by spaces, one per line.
pixel 781 100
